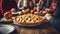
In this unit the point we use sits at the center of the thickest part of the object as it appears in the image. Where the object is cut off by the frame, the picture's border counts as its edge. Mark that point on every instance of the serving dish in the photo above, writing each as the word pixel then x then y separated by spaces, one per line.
pixel 28 20
pixel 7 28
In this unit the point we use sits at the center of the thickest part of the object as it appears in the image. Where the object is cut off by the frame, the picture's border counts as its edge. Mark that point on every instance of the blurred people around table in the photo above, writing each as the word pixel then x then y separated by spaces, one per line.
pixel 51 8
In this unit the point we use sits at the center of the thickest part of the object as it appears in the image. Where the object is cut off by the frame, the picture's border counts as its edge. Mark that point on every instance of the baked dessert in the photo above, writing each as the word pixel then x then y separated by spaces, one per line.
pixel 28 19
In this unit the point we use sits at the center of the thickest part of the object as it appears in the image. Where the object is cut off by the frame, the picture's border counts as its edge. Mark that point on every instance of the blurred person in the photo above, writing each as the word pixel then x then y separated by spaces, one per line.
pixel 21 4
pixel 53 6
pixel 35 1
pixel 54 20
pixel 30 4
pixel 0 4
pixel 1 9
pixel 7 5
pixel 42 3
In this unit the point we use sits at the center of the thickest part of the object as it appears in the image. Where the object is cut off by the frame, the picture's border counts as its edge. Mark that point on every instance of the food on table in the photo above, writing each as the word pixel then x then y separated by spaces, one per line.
pixel 47 9
pixel 20 13
pixel 28 19
pixel 34 10
pixel 8 15
pixel 25 11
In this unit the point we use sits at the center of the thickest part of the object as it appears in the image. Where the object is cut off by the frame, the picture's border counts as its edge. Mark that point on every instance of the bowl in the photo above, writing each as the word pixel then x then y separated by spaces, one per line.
pixel 6 28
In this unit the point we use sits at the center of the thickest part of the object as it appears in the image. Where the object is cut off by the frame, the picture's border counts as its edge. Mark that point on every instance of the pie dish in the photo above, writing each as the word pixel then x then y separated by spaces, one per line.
pixel 28 19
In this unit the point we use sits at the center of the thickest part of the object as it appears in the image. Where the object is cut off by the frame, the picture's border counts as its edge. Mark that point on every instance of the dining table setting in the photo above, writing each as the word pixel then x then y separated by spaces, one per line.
pixel 29 17
pixel 23 22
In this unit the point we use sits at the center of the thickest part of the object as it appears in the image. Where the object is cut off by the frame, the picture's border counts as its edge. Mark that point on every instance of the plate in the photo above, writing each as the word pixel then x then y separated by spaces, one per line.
pixel 6 20
pixel 27 25
pixel 7 28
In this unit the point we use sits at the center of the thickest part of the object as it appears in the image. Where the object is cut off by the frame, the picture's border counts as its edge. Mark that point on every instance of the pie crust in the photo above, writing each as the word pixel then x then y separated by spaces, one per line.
pixel 28 19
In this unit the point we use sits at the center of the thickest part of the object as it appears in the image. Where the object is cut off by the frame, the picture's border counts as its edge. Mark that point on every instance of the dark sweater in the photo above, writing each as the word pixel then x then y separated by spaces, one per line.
pixel 8 5
pixel 57 12
pixel 55 20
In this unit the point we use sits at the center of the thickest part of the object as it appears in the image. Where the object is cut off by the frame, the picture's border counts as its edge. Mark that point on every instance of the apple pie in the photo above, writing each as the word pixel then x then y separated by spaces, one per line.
pixel 28 19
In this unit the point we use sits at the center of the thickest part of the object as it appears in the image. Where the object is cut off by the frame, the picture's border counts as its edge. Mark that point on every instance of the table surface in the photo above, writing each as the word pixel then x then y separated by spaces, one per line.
pixel 40 29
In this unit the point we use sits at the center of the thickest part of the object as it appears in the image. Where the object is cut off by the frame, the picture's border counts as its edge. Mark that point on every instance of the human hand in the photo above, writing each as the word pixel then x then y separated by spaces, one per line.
pixel 48 16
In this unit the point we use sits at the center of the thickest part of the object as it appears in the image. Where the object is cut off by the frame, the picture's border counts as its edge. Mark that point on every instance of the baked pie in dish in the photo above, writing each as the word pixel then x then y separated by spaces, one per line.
pixel 28 19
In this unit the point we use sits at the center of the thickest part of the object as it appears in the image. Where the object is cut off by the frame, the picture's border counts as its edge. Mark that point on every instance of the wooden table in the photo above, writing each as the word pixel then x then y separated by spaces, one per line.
pixel 40 29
